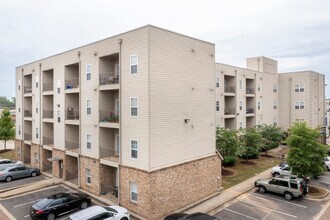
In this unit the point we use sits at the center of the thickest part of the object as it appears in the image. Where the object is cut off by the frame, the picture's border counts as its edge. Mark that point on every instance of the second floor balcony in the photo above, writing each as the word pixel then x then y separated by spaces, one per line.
pixel 109 78
pixel 230 89
pixel 48 140
pixel 27 89
pixel 230 111
pixel 72 146
pixel 71 115
pixel 71 83
pixel 48 86
pixel 250 91
pixel 48 114
pixel 250 111
pixel 28 113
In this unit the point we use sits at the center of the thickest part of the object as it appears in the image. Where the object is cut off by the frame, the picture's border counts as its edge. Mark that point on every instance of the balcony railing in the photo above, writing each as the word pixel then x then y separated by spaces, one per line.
pixel 249 90
pixel 48 86
pixel 107 152
pixel 249 110
pixel 27 89
pixel 71 145
pixel 109 191
pixel 27 113
pixel 48 140
pixel 48 113
pixel 71 115
pixel 109 78
pixel 27 137
pixel 230 111
pixel 109 116
pixel 72 83
pixel 230 89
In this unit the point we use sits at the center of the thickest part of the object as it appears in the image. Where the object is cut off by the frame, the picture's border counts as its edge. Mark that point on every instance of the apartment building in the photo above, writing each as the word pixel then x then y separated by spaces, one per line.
pixel 130 118
pixel 246 97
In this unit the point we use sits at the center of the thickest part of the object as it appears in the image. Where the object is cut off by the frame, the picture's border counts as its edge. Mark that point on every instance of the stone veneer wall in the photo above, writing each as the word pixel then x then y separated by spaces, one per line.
pixel 56 168
pixel 94 166
pixel 70 164
pixel 18 150
pixel 164 191
pixel 35 148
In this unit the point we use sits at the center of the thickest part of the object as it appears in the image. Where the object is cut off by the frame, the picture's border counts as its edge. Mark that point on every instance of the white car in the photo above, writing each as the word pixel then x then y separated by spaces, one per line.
pixel 281 170
pixel 99 212
pixel 327 162
pixel 4 163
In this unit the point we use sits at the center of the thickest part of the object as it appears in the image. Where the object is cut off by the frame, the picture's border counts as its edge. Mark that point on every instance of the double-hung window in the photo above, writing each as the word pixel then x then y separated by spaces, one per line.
pixel 299 105
pixel 134 149
pixel 134 106
pixel 88 107
pixel 259 105
pixel 88 141
pixel 37 133
pixel 299 87
pixel 133 191
pixel 275 104
pixel 217 82
pixel 241 105
pixel 134 64
pixel 88 176
pixel 88 71
pixel 275 88
pixel 218 106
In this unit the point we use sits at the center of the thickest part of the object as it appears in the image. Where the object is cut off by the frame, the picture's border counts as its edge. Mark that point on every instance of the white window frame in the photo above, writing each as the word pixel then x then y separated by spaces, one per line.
pixel 275 106
pixel 58 116
pixel 275 121
pixel 37 107
pixel 88 107
pixel 37 133
pixel 240 105
pixel 217 82
pixel 19 130
pixel 19 85
pixel 58 86
pixel 117 144
pixel 132 64
pixel 258 87
pixel 241 125
pixel 88 176
pixel 137 149
pixel 275 88
pixel 133 188
pixel 299 105
pixel 240 85
pixel 302 88
pixel 88 141
pixel 259 105
pixel 37 81
pixel 217 106
pixel 137 106
pixel 88 72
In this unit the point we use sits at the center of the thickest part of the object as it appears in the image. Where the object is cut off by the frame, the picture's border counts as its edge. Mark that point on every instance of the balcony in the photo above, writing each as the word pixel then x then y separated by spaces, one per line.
pixel 250 91
pixel 27 89
pixel 72 85
pixel 72 148
pixel 249 111
pixel 72 117
pixel 230 89
pixel 48 114
pixel 109 156
pixel 109 119
pixel 109 79
pixel 27 137
pixel 28 115
pixel 48 87
pixel 48 142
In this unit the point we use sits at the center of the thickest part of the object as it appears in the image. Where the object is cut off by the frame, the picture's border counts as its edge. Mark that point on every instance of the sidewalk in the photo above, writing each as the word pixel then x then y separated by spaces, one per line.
pixel 228 194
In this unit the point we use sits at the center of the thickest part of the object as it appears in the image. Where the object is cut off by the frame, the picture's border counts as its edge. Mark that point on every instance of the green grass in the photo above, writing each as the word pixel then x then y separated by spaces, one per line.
pixel 9 155
pixel 246 171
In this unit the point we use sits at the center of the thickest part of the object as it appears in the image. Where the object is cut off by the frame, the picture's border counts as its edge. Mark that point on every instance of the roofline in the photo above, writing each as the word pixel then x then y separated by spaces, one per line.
pixel 302 71
pixel 104 39
pixel 239 67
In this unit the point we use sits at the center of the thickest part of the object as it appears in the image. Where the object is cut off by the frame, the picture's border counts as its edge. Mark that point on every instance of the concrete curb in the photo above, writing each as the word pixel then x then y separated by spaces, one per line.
pixel 318 198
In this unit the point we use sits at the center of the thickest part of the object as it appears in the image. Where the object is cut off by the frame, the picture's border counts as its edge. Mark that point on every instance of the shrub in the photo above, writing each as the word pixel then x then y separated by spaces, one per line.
pixel 229 161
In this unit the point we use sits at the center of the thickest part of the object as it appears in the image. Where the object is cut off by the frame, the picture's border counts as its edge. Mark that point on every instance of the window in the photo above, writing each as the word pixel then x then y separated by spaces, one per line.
pixel 37 133
pixel 37 81
pixel 284 183
pixel 58 116
pixel 275 121
pixel 259 105
pixel 88 71
pixel 19 109
pixel 19 84
pixel 134 149
pixel 217 82
pixel 299 105
pixel 88 141
pixel 217 106
pixel 58 85
pixel 134 64
pixel 293 185
pixel 19 130
pixel 37 107
pixel 275 88
pixel 275 104
pixel 240 125
pixel 117 144
pixel 88 176
pixel 240 105
pixel 89 107
pixel 241 85
pixel 258 87
pixel 299 87
pixel 133 191
pixel 134 106
pixel 36 158
pixel 298 120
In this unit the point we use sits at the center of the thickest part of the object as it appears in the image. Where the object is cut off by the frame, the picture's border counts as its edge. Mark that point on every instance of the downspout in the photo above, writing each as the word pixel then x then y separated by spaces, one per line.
pixel 120 41
pixel 22 113
pixel 78 159
pixel 40 114
pixel 290 101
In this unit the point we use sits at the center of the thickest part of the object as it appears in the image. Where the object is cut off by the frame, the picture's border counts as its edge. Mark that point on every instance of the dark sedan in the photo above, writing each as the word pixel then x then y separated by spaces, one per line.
pixel 59 204
pixel 194 216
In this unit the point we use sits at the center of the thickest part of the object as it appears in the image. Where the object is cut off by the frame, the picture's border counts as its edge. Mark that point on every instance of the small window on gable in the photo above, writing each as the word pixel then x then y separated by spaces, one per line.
pixel 37 81
pixel 88 71
pixel 134 64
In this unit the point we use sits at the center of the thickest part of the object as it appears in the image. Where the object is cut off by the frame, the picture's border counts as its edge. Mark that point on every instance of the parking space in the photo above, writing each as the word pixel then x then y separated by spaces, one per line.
pixel 254 205
pixel 322 181
pixel 20 182
pixel 19 206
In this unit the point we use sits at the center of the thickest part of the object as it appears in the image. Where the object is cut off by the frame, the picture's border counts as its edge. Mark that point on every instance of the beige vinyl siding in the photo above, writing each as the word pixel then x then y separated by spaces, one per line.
pixel 182 87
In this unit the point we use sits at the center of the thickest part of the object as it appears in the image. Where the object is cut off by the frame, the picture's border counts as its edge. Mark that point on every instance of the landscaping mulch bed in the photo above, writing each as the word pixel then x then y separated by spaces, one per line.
pixel 316 192
pixel 248 162
pixel 228 172
pixel 266 155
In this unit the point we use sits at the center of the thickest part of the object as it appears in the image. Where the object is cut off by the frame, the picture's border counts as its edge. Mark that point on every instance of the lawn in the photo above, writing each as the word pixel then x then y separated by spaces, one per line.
pixel 8 155
pixel 244 172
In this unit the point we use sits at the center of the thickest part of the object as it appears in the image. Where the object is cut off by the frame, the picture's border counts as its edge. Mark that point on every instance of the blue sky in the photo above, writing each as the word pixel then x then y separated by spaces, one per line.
pixel 296 33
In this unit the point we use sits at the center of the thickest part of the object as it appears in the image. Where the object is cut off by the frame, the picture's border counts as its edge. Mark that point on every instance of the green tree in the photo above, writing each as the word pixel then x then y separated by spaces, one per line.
pixel 271 136
pixel 306 154
pixel 6 103
pixel 227 143
pixel 7 126
pixel 251 141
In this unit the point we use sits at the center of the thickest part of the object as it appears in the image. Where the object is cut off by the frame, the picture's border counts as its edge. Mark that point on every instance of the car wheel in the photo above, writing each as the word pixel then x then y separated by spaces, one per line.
pixel 9 178
pixel 262 189
pixel 328 168
pixel 124 218
pixel 34 174
pixel 51 216
pixel 288 196
pixel 83 205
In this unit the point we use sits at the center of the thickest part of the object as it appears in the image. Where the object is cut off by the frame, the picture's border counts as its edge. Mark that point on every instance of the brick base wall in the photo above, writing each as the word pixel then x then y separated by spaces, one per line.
pixel 35 149
pixel 56 167
pixel 18 150
pixel 94 166
pixel 164 191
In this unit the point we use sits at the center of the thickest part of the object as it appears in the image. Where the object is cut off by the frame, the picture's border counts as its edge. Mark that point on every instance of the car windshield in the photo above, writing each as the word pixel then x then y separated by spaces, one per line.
pixel 44 202
pixel 111 209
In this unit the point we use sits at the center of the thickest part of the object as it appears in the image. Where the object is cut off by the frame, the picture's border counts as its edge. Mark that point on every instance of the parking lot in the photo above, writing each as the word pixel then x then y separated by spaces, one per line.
pixel 253 205
pixel 20 182
pixel 322 181
pixel 19 206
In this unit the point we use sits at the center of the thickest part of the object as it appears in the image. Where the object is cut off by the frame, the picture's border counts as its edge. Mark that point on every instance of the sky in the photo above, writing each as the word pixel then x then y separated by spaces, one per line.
pixel 295 33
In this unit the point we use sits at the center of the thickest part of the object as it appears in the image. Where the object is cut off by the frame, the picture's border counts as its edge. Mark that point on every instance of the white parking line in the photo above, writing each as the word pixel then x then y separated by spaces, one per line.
pixel 238 213
pixel 26 216
pixel 322 182
pixel 291 203
pixel 24 203
pixel 259 206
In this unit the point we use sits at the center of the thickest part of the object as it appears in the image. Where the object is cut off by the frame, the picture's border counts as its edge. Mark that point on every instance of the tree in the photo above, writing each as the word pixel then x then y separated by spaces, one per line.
pixel 271 136
pixel 7 126
pixel 306 154
pixel 251 141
